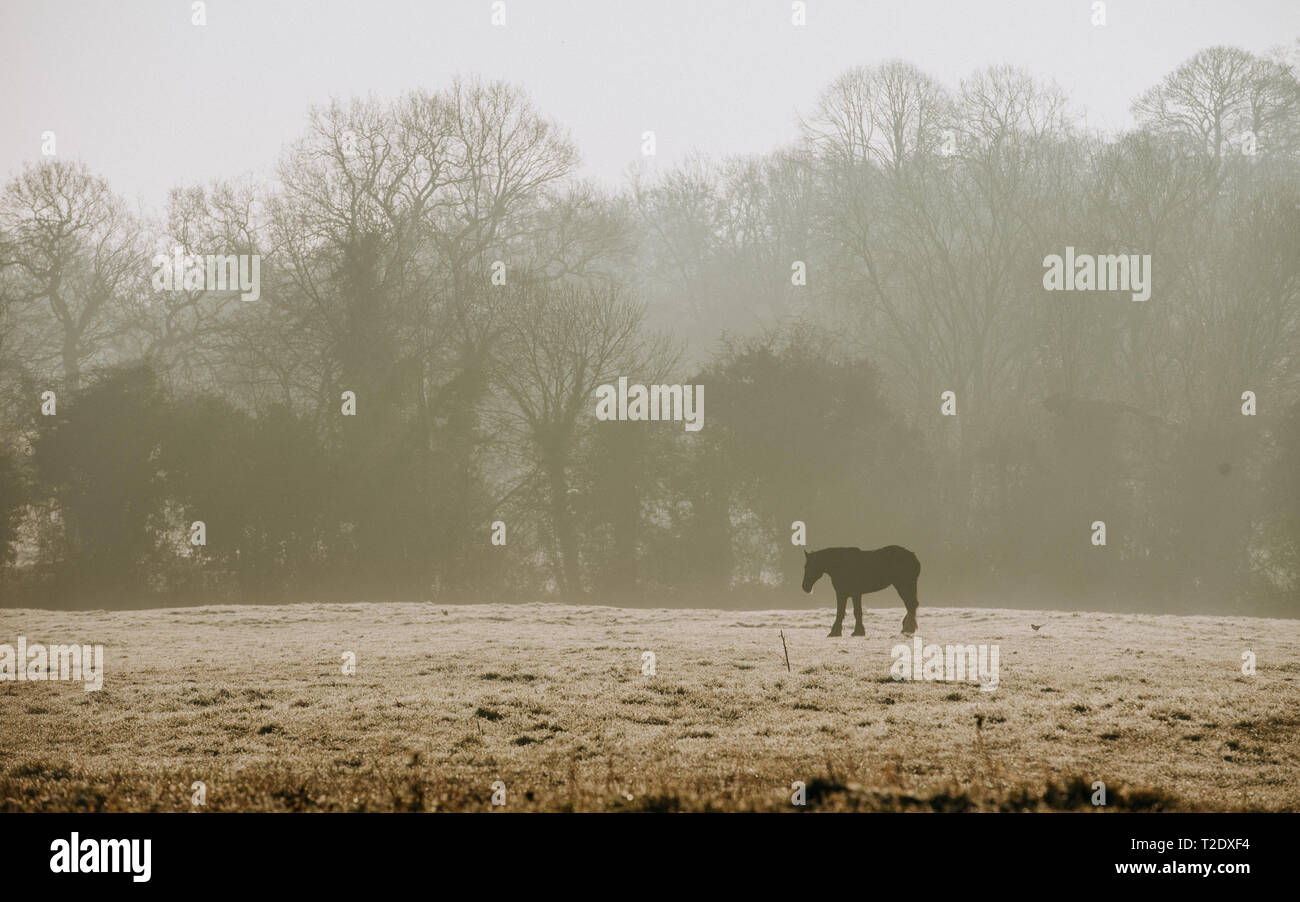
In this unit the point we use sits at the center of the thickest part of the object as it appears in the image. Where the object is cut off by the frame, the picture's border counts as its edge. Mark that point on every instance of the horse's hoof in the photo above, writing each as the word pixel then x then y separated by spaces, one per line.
pixel 859 632
pixel 833 634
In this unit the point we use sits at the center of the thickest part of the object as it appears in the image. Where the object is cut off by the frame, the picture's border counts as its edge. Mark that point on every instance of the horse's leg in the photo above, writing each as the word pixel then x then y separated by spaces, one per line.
pixel 840 601
pixel 858 630
pixel 907 591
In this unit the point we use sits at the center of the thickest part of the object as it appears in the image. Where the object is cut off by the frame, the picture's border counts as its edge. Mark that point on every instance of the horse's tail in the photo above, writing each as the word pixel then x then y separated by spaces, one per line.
pixel 913 562
pixel 907 591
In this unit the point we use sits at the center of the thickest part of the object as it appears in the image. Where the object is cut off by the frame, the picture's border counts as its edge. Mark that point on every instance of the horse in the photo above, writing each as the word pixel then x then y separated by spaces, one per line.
pixel 854 571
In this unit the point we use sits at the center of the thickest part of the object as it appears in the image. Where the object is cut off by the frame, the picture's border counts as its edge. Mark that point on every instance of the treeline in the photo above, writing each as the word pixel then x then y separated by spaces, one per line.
pixel 440 297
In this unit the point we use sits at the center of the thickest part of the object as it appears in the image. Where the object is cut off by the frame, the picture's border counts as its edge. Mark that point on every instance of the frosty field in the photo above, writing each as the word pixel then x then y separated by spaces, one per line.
pixel 551 701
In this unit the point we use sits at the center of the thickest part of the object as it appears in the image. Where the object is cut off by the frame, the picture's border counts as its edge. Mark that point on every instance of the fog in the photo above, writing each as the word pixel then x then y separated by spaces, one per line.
pixel 493 329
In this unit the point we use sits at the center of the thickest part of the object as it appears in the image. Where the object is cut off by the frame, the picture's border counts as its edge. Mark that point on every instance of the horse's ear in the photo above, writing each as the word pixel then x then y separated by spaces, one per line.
pixel 805 553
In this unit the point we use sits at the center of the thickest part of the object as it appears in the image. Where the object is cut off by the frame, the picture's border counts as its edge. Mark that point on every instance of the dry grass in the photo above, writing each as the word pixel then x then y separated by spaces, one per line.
pixel 551 700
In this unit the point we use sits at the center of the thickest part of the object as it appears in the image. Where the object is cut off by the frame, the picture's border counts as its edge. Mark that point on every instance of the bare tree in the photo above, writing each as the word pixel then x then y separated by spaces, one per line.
pixel 72 261
pixel 883 115
pixel 182 330
pixel 1221 92
pixel 558 344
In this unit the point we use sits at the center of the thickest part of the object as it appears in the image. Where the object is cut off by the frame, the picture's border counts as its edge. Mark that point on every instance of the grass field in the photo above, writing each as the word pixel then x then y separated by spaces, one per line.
pixel 551 700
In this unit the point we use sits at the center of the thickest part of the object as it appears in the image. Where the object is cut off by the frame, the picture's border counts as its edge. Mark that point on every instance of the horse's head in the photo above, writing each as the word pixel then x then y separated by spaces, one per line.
pixel 812 571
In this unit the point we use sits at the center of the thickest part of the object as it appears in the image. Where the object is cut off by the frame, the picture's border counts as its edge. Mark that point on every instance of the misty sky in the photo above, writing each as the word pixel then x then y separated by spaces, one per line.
pixel 150 101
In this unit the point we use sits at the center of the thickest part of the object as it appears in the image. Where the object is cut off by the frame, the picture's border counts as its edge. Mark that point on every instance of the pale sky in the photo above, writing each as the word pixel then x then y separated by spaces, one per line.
pixel 150 101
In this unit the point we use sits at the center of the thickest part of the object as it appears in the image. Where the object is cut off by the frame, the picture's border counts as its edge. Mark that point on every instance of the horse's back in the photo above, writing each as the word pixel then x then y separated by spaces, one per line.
pixel 889 552
pixel 871 570
pixel 903 561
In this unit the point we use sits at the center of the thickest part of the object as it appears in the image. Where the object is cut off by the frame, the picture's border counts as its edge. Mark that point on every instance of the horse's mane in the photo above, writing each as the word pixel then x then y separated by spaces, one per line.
pixel 838 551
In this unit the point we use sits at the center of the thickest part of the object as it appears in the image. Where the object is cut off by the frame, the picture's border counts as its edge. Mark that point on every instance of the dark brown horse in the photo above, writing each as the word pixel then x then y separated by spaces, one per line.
pixel 854 572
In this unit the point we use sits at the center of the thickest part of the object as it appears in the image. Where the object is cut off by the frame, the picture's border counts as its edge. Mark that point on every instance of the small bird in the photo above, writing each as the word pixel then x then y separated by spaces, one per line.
pixel 1037 626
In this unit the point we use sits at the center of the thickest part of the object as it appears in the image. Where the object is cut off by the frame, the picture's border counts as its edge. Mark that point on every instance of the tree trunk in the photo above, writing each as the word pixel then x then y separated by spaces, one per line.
pixel 566 537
